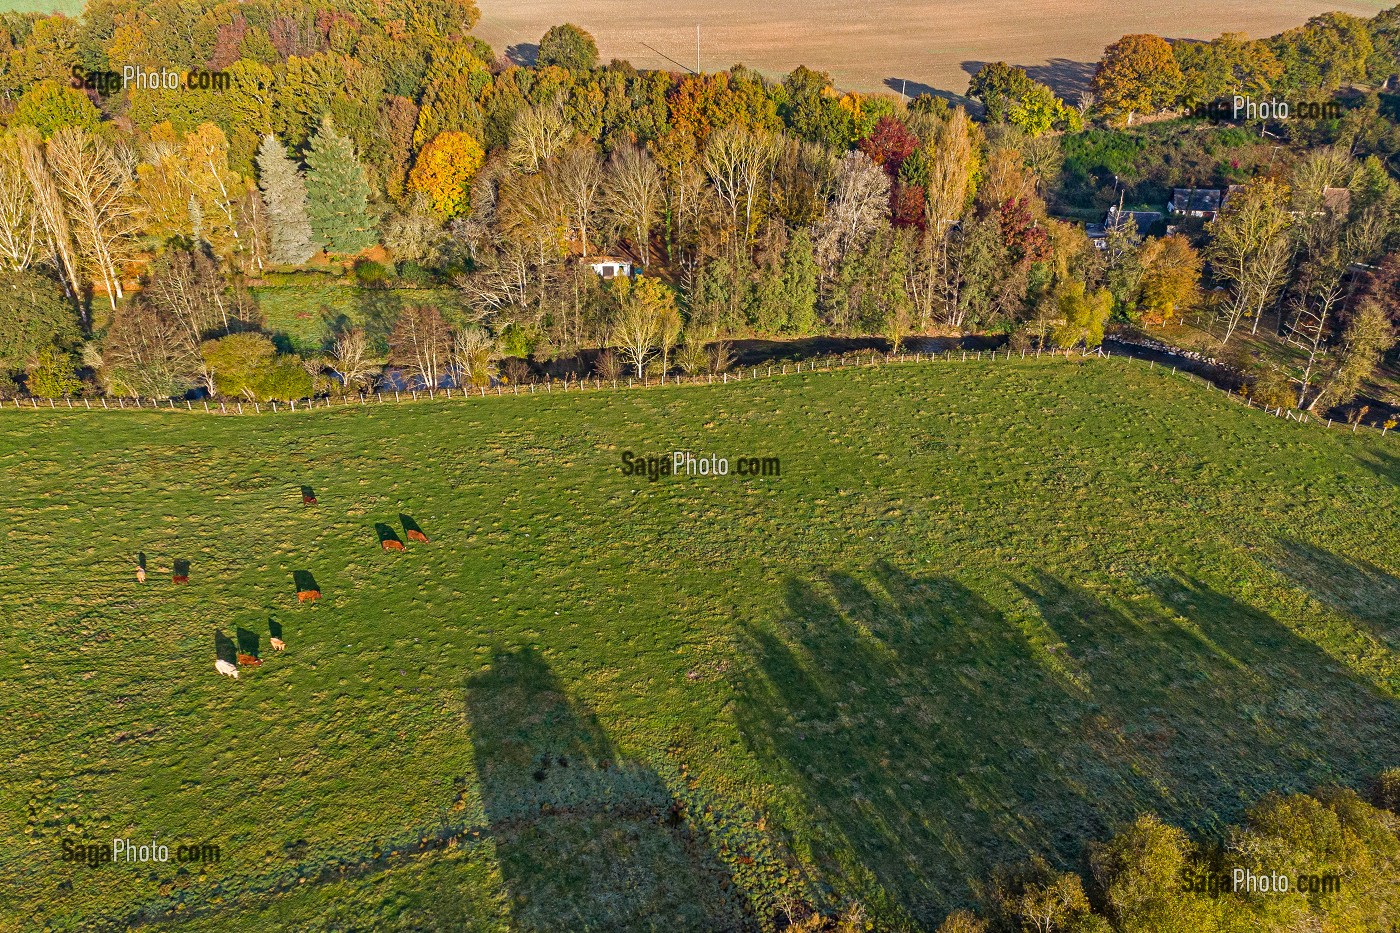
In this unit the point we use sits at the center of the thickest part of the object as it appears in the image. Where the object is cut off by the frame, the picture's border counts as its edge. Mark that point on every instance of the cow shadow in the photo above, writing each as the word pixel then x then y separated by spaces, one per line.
pixel 411 528
pixel 304 581
pixel 308 495
pixel 585 838
pixel 384 533
pixel 224 648
pixel 141 559
pixel 181 570
pixel 274 628
pixel 247 642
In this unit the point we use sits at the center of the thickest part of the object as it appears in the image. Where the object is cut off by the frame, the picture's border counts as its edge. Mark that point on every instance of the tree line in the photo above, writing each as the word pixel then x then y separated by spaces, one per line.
pixel 137 224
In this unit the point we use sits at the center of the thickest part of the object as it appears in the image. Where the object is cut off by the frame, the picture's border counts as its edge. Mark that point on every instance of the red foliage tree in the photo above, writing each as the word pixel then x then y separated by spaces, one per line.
pixel 907 205
pixel 1025 239
pixel 889 144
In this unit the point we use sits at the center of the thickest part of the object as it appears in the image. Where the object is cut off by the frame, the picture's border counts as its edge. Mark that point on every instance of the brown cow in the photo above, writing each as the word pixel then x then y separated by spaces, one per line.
pixel 391 545
pixel 180 578
pixel 416 535
pixel 248 660
pixel 308 500
pixel 277 643
pixel 308 596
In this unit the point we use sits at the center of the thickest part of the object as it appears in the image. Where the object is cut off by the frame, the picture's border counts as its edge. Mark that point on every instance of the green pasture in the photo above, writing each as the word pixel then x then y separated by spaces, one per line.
pixel 986 610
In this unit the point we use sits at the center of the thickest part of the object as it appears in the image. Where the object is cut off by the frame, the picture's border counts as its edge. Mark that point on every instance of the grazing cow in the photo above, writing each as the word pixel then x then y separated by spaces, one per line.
pixel 278 644
pixel 391 545
pixel 308 596
pixel 225 668
pixel 180 578
pixel 308 500
pixel 416 535
pixel 247 660
pixel 140 574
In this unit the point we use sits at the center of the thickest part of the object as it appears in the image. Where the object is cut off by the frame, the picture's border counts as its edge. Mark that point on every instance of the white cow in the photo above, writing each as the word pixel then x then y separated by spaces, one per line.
pixel 225 668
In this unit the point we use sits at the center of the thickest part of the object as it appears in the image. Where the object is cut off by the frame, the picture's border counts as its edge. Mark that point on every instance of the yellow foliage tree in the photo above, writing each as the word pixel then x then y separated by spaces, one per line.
pixel 443 170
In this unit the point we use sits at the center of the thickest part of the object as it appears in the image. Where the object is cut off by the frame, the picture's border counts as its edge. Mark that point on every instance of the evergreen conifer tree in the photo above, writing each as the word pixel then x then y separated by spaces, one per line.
pixel 337 193
pixel 284 194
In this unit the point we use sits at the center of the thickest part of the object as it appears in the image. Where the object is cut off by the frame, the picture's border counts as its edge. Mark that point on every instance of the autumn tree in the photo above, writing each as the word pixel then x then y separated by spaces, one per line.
pixel 284 195
pixel 859 206
pixel 1171 276
pixel 646 308
pixel 1138 74
pixel 147 353
pixel 444 170
pixel 1368 334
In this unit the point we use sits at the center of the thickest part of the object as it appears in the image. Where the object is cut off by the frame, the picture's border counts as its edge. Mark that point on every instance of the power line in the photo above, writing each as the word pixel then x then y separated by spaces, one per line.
pixel 670 59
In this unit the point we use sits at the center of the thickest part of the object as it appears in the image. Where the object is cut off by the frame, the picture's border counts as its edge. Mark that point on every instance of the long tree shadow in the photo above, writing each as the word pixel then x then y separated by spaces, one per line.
pixel 1358 589
pixel 585 839
pixel 930 737
pixel 922 730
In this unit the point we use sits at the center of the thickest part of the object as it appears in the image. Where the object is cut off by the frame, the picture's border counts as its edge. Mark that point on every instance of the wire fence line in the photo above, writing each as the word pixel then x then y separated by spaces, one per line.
pixel 379 398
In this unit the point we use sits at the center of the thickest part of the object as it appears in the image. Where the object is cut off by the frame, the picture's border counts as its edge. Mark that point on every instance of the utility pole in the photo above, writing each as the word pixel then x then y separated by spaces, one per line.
pixel 697 48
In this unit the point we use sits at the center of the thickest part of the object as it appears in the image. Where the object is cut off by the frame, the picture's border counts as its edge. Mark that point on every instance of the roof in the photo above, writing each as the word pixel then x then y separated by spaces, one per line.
pixel 1145 220
pixel 1190 200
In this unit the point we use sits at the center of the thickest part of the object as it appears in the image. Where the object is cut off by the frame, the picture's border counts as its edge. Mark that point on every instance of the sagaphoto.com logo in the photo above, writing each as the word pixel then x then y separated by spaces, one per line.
pixel 143 78
pixel 139 852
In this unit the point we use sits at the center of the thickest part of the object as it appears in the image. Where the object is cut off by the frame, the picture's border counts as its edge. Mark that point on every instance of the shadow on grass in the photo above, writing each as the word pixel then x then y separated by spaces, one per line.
pixel 384 533
pixel 248 642
pixel 304 581
pixel 930 737
pixel 582 834
pixel 1366 594
pixel 224 648
pixel 411 528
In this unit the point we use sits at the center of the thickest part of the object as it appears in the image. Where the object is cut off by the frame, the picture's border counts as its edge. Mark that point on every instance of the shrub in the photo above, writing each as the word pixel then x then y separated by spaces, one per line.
pixel 1273 389
pixel 248 366
pixel 371 274
pixel 53 374
pixel 607 366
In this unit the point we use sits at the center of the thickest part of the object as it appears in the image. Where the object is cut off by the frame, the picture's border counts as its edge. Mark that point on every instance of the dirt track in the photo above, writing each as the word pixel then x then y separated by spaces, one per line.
pixel 881 44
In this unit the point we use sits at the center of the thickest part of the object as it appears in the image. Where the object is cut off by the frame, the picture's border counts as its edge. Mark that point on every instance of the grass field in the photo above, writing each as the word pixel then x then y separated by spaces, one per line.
pixel 308 317
pixel 985 610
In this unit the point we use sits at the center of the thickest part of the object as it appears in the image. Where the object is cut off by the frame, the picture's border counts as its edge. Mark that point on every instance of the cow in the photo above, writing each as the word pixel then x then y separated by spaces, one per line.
pixel 278 644
pixel 180 578
pixel 306 596
pixel 247 660
pixel 140 574
pixel 225 668
pixel 391 545
pixel 308 500
pixel 416 535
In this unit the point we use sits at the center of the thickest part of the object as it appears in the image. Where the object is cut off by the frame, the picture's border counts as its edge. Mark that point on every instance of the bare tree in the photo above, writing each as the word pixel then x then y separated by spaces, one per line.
pixel 632 196
pixel 473 353
pixel 21 231
pixel 537 134
pixel 421 344
pixel 1250 249
pixel 48 203
pixel 100 200
pixel 350 358
pixel 579 177
pixel 859 205
pixel 737 160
